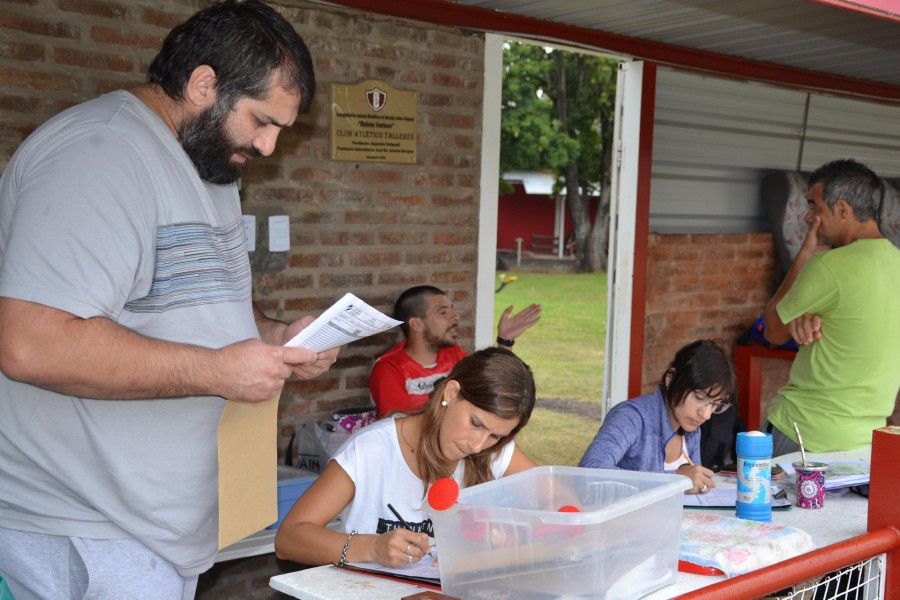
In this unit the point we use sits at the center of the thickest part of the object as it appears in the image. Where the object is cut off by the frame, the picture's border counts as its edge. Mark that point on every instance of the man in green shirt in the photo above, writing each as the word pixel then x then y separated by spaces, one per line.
pixel 842 307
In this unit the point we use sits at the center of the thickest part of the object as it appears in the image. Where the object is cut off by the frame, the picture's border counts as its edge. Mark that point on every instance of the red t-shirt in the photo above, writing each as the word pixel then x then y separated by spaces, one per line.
pixel 398 383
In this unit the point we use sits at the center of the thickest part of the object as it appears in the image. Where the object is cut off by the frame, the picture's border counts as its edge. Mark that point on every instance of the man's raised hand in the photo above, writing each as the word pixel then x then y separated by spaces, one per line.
pixel 511 327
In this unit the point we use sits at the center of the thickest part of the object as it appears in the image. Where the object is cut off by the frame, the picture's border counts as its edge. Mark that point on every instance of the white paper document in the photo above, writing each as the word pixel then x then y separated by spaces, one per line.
pixel 723 497
pixel 347 320
pixel 424 569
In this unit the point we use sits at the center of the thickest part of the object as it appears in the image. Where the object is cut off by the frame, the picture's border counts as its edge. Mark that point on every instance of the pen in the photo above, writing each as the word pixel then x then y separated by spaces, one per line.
pixel 399 518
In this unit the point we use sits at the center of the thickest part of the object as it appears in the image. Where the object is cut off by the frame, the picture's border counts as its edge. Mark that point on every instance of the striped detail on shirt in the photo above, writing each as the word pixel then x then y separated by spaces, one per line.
pixel 196 264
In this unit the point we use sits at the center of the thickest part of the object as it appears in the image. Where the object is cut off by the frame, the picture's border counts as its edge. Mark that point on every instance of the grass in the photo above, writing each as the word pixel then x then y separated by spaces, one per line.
pixel 554 438
pixel 565 349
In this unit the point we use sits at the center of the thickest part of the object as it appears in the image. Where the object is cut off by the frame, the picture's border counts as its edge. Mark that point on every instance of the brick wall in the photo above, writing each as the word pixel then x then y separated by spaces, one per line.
pixel 372 229
pixel 709 286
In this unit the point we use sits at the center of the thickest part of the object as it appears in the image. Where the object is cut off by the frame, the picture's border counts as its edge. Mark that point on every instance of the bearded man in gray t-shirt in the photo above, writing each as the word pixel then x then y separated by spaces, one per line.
pixel 126 312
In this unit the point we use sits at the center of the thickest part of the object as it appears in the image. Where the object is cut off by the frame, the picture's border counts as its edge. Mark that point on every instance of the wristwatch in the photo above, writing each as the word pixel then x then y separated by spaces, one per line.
pixel 505 342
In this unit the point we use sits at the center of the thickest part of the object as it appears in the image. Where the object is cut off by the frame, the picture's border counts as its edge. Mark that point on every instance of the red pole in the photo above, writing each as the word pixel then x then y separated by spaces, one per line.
pixel 884 498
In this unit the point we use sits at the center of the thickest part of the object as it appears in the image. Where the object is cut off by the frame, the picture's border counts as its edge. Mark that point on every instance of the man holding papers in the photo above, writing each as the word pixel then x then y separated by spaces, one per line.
pixel 842 307
pixel 126 312
pixel 404 376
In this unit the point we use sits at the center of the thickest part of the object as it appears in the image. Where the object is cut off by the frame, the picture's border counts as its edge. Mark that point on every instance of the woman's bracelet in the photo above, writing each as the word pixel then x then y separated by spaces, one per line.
pixel 343 560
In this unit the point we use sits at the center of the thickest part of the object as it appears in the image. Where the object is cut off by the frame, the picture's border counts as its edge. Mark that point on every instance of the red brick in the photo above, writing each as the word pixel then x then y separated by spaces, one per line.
pixel 316 260
pixel 108 35
pixel 20 104
pixel 346 238
pixel 344 280
pixel 452 277
pixel 57 29
pixel 442 61
pixel 37 80
pixel 399 238
pixel 357 382
pixel 456 200
pixel 93 60
pixel 21 51
pixel 453 81
pixel 463 141
pixel 376 259
pixel 402 278
pixel 380 176
pixel 436 99
pixel 93 7
pixel 162 19
pixel 308 304
pixel 451 121
pixel 434 180
pixel 370 218
pixel 454 239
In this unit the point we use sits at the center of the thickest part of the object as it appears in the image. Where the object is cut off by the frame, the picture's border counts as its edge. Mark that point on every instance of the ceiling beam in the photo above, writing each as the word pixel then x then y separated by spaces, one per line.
pixel 441 12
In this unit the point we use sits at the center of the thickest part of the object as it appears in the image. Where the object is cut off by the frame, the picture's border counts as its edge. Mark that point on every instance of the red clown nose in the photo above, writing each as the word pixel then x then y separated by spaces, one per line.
pixel 443 494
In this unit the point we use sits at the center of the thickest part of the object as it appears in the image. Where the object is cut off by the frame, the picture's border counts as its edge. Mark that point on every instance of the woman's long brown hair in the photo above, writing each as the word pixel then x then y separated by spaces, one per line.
pixel 494 380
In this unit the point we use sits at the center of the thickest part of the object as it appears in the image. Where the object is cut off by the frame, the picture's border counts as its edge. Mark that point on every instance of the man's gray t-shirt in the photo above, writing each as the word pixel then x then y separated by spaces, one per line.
pixel 102 214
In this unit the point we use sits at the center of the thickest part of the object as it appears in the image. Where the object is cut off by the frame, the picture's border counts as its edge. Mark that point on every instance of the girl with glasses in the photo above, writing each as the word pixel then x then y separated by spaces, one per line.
pixel 661 431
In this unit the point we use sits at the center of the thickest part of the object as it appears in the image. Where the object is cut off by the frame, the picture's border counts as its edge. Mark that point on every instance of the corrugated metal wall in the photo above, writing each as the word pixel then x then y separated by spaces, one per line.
pixel 714 138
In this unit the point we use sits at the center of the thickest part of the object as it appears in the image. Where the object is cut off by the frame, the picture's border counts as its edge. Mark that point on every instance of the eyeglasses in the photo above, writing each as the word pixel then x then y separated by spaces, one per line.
pixel 718 407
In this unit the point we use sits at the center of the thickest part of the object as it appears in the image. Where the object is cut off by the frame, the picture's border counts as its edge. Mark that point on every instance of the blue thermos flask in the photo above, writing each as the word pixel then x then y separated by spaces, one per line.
pixel 754 470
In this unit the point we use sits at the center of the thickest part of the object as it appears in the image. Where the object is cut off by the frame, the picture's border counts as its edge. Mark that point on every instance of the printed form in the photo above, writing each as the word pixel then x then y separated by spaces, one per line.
pixel 347 320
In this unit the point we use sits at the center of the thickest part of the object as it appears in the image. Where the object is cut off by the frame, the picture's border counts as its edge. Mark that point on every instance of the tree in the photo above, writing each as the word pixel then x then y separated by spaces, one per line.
pixel 557 116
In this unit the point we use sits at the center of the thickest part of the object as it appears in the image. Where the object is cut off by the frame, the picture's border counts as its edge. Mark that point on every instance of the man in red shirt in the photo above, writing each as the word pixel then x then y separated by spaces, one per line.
pixel 404 376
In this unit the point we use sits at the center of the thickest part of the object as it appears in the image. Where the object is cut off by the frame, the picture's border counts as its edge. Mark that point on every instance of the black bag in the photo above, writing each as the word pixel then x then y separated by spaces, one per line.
pixel 717 439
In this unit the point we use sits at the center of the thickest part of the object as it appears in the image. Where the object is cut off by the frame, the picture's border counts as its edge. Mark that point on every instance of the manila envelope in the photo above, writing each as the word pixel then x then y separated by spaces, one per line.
pixel 248 457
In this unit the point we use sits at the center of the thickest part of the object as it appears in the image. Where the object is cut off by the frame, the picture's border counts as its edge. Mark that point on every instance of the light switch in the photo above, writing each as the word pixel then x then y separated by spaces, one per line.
pixel 279 233
pixel 250 232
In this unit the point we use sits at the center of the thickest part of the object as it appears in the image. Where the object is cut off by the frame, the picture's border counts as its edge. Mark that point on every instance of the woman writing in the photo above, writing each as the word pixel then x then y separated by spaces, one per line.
pixel 465 431
pixel 661 431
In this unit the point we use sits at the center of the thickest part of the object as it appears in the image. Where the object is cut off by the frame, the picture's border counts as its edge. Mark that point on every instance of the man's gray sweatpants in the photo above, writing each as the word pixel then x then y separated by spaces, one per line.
pixel 40 566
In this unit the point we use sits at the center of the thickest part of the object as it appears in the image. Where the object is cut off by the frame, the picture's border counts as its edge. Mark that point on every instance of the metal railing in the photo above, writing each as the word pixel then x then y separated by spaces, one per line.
pixel 855 566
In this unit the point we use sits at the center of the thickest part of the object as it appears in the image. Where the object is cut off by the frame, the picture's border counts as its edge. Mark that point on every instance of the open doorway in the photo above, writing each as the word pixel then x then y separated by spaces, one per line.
pixel 556 147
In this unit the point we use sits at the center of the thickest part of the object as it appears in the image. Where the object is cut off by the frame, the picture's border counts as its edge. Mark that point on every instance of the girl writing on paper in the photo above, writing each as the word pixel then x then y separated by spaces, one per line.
pixel 661 431
pixel 464 431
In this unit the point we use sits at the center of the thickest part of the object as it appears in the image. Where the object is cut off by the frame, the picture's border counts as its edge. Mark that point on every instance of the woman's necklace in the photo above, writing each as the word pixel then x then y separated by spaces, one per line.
pixel 403 437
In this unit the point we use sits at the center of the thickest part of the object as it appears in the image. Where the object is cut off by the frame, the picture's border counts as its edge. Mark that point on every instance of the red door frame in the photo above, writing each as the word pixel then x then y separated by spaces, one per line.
pixel 641 230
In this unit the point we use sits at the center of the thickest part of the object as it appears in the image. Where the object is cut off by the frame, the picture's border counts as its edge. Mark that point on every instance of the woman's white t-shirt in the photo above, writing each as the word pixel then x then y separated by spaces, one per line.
pixel 374 461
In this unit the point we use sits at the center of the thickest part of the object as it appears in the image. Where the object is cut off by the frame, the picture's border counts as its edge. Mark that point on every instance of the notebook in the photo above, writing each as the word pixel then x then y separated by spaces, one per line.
pixel 726 497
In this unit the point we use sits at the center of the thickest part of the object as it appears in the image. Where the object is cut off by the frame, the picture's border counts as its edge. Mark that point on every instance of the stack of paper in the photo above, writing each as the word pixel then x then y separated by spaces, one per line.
pixel 840 473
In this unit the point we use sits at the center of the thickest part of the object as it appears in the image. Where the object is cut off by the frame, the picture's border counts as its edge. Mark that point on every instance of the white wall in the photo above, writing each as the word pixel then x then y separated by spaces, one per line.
pixel 715 137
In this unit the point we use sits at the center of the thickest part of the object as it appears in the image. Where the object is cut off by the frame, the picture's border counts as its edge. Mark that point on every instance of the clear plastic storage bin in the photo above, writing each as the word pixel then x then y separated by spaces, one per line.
pixel 506 539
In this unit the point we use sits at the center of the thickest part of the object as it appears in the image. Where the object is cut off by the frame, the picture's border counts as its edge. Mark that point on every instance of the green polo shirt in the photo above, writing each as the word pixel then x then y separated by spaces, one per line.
pixel 843 385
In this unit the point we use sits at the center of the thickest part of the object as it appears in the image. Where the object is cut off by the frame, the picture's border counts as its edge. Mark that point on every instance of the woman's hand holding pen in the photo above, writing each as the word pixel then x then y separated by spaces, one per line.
pixel 701 477
pixel 400 547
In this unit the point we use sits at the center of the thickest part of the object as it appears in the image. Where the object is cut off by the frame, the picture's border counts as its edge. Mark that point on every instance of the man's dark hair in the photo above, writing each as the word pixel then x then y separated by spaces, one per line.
pixel 699 366
pixel 852 182
pixel 244 43
pixel 413 303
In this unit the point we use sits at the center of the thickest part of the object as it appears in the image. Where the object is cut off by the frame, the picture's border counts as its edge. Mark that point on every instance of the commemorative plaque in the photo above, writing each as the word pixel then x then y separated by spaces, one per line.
pixel 372 121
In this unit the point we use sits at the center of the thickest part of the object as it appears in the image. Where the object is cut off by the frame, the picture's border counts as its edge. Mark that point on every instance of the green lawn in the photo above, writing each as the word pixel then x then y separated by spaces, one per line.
pixel 565 351
pixel 554 438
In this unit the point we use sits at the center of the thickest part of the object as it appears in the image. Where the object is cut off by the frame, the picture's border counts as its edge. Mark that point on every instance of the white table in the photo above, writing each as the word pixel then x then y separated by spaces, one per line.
pixel 840 519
